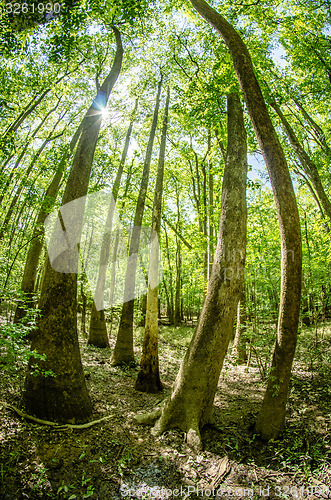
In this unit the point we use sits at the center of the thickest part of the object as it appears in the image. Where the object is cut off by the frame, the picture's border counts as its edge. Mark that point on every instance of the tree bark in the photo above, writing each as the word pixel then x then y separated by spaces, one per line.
pixel 148 376
pixel 210 220
pixel 98 335
pixel 178 283
pixel 170 294
pixel 191 402
pixel 271 419
pixel 123 351
pixel 64 398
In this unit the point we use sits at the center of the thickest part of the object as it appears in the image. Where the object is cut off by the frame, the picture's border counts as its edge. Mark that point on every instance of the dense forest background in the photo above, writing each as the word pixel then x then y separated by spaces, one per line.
pixel 139 117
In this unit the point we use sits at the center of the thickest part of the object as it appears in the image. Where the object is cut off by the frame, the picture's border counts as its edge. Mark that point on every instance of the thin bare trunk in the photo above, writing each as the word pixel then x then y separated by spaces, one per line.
pixel 123 351
pixel 148 377
pixel 307 163
pixel 240 343
pixel 318 132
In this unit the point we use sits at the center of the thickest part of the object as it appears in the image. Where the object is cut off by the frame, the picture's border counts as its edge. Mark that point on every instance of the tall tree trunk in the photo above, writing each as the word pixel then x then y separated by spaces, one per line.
pixel 113 279
pixel 307 163
pixel 148 376
pixel 98 330
pixel 205 222
pixel 178 287
pixel 123 351
pixel 271 419
pixel 33 255
pixel 84 300
pixel 190 405
pixel 64 398
pixel 177 311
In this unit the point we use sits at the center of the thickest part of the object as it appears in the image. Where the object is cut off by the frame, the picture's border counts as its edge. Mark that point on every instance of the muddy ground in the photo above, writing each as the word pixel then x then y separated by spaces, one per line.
pixel 119 458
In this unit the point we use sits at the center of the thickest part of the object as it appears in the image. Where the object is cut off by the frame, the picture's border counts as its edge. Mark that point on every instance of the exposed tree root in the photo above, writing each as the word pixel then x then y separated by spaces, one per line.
pixel 149 418
pixel 193 439
pixel 55 425
pixel 161 424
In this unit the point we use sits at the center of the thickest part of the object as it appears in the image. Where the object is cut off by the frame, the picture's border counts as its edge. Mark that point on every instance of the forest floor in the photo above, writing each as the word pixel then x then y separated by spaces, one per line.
pixel 119 458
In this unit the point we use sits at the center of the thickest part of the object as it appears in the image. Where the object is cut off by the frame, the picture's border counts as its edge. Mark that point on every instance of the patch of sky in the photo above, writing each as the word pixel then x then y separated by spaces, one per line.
pixel 278 55
pixel 257 169
pixel 327 30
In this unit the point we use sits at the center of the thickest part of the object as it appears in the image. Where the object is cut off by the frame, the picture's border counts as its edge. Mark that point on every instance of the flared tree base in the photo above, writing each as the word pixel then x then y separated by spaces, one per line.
pixel 98 336
pixel 147 383
pixel 48 398
pixel 185 422
pixel 123 360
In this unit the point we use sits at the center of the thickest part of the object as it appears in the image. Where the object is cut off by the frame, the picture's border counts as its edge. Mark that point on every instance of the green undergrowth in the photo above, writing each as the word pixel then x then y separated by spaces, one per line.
pixel 64 466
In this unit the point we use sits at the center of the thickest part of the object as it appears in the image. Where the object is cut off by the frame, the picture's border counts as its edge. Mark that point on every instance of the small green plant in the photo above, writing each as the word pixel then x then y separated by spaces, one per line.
pixel 40 478
pixel 89 488
pixel 89 491
pixel 64 489
pixel 125 460
pixel 15 349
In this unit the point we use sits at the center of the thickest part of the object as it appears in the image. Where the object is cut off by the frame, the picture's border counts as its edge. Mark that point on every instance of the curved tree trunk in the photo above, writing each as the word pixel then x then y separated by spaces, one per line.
pixel 98 335
pixel 33 255
pixel 271 419
pixel 123 351
pixel 64 398
pixel 190 405
pixel 148 377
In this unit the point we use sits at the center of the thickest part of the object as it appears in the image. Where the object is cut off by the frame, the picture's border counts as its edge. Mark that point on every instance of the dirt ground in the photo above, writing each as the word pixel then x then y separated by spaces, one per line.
pixel 119 458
